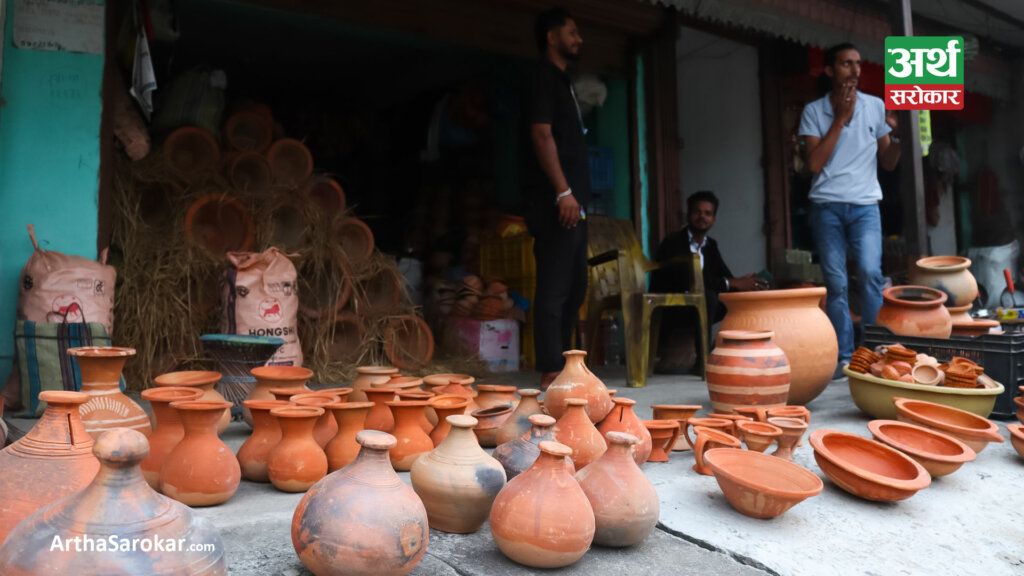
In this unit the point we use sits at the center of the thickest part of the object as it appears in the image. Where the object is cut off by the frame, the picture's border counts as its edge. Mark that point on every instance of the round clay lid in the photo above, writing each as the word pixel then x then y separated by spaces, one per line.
pixel 101 351
pixel 263 404
pixel 349 406
pixel 624 401
pixel 376 440
pixel 554 448
pixel 462 421
pixel 292 411
pixel 527 392
pixel 121 447
pixel 188 378
pixel 615 437
pixel 542 420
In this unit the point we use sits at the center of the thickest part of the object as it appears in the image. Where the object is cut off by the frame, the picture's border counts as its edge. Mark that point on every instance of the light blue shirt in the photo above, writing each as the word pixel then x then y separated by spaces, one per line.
pixel 851 174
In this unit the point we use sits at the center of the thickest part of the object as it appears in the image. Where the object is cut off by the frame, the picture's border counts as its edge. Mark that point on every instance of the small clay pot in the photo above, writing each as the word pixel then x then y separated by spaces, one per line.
pixel 758 435
pixel 792 430
pixel 577 381
pixel 297 462
pixel 202 380
pixel 326 426
pixel 722 424
pixel 928 375
pixel 948 274
pixel 201 470
pixel 707 439
pixel 366 376
pixel 380 417
pixel 343 448
pixel 490 419
pixel 445 406
pixel 425 420
pixel 625 503
pixel 915 311
pixel 412 441
pixel 266 433
pixel 519 454
pixel 167 429
pixel 575 430
pixel 519 422
pixel 623 419
pixel 680 413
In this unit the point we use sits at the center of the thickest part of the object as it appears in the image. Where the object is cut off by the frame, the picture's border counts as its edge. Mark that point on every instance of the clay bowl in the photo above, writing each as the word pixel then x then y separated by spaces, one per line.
pixel 966 427
pixel 874 396
pixel 758 435
pixel 866 468
pixel 1017 437
pixel 939 453
pixel 1019 401
pixel 759 485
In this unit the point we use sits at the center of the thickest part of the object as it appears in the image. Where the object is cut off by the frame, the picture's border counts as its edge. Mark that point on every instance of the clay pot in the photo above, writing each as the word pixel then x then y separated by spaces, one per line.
pixel 412 441
pixel 297 462
pixel 974 328
pixel 721 424
pixel 380 417
pixel 519 422
pixel 326 426
pixel 327 194
pixel 664 435
pixel 457 481
pixel 428 414
pixel 342 392
pixel 203 380
pixel 366 376
pixel 248 130
pixel 624 501
pixel 758 435
pixel 939 453
pixel 192 153
pixel 1019 401
pixel 490 419
pixel 792 430
pixel 798 412
pixel 116 504
pixel 435 381
pixel 266 433
pixel 290 162
pixel 356 240
pixel 219 223
pixel 707 439
pixel 733 420
pixel 753 413
pixel 576 381
pixel 50 462
pixel 542 518
pixel 459 388
pixel 928 375
pixel 680 413
pixel 108 407
pixel 802 331
pixel 623 419
pixel 866 468
pixel 343 448
pixel 1016 437
pixel 961 314
pixel 948 274
pixel 575 430
pixel 758 485
pixel 167 429
pixel 445 406
pixel 747 369
pixel 969 428
pixel 270 377
pixel 517 455
pixel 491 395
pixel 250 172
pixel 400 383
pixel 361 519
pixel 201 470
pixel 408 342
pixel 915 311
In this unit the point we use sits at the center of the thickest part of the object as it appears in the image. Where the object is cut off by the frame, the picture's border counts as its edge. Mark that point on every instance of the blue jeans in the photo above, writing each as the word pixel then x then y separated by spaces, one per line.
pixel 840 229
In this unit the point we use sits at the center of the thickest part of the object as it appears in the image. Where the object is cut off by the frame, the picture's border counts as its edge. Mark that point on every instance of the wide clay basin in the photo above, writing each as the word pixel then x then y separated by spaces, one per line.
pixel 866 468
pixel 965 426
pixel 759 485
pixel 939 453
pixel 1017 437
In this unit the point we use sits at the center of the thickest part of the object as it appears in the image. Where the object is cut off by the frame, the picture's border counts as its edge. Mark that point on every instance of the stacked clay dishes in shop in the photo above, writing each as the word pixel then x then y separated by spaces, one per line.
pixel 862 360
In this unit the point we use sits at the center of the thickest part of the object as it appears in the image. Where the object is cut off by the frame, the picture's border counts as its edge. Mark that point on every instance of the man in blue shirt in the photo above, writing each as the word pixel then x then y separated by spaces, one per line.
pixel 846 136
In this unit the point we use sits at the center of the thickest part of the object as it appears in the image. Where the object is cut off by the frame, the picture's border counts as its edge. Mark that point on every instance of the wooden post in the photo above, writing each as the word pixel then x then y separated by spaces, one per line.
pixel 773 159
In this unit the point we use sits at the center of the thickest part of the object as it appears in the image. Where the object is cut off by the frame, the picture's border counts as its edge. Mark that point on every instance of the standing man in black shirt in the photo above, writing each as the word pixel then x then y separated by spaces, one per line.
pixel 557 187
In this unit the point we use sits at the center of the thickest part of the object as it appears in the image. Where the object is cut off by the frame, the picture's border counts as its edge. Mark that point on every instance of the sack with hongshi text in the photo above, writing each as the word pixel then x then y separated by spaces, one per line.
pixel 261 298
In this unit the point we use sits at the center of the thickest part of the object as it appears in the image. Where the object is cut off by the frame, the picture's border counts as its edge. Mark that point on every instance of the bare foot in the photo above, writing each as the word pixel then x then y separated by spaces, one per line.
pixel 546 378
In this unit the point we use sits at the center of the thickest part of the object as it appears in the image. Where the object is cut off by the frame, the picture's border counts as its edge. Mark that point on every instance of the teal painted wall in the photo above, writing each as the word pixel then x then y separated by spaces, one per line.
pixel 613 132
pixel 641 122
pixel 49 162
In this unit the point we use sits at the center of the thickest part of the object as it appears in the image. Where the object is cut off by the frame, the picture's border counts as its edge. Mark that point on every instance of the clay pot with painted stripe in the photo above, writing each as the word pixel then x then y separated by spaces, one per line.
pixel 108 407
pixel 747 369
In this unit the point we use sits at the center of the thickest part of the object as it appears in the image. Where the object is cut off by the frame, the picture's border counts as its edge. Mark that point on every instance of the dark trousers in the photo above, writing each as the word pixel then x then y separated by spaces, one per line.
pixel 561 256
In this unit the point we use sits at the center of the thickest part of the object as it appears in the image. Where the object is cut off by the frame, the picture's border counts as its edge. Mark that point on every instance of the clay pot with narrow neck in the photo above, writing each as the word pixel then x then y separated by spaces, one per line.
pixel 167 428
pixel 623 419
pixel 460 388
pixel 575 430
pixel 297 462
pixel 361 519
pixel 366 376
pixel 747 369
pixel 50 462
pixel 915 311
pixel 380 417
pixel 577 381
pixel 490 419
pixel 286 393
pixel 270 377
pixel 517 455
pixel 343 448
pixel 412 441
pixel 948 274
pixel 434 382
pixel 202 380
pixel 664 434
pixel 116 504
pixel 425 419
pixel 707 439
pixel 792 430
pixel 457 481
pixel 680 413
pixel 201 470
pixel 326 426
pixel 445 406
pixel 266 433
pixel 625 503
pixel 519 422
pixel 542 518
pixel 108 407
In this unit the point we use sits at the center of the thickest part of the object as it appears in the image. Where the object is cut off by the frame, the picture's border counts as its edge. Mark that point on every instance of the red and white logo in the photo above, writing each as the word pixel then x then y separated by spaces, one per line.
pixel 270 310
pixel 66 308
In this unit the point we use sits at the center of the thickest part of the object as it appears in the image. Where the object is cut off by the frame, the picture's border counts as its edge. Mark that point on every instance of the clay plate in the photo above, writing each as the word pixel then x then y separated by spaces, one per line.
pixel 759 485
pixel 966 427
pixel 866 468
pixel 939 453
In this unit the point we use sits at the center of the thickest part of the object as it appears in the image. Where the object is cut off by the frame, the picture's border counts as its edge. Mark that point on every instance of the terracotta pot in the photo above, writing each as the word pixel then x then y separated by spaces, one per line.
pixel 747 369
pixel 50 462
pixel 625 503
pixel 915 311
pixel 380 294
pixel 408 342
pixel 491 395
pixel 623 419
pixel 753 413
pixel 117 504
pixel 248 130
pixel 435 381
pixel 343 448
pixel 290 162
pixel 542 518
pixel 380 417
pixel 732 418
pixel 680 413
pixel 202 380
pixel 400 383
pixel 802 331
pixel 445 406
pixel 708 439
pixel 576 381
pixel 108 407
pixel 960 313
pixel 974 328
pixel 971 429
pixel 219 223
pixel 866 468
pixel 792 430
pixel 250 172
pixel 167 428
pixel 429 418
pixel 266 433
pixel 490 419
pixel 297 462
pixel 758 435
pixel 342 392
pixel 940 454
pixel 459 388
pixel 361 519
pixel 326 426
pixel 201 470
pixel 328 195
pixel 412 441
pixel 575 430
pixel 192 153
pixel 948 274
pixel 717 423
pixel 517 455
pixel 457 481
pixel 356 240
pixel 366 375
pixel 664 435
pixel 270 377
pixel 760 486
pixel 1016 437
pixel 1019 401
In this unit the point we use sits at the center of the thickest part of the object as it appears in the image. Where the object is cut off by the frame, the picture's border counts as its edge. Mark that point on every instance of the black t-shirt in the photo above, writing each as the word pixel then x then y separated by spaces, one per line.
pixel 552 102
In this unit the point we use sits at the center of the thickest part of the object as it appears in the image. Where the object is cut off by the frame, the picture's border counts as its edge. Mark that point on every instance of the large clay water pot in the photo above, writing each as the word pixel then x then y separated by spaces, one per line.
pixel 948 274
pixel 519 422
pixel 202 380
pixel 577 381
pixel 802 331
pixel 747 369
pixel 167 429
pixel 201 470
pixel 625 503
pixel 108 407
pixel 623 419
pixel 266 433
pixel 915 311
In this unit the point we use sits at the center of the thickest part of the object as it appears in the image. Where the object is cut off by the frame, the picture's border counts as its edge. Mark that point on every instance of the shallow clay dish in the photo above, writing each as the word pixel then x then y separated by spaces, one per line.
pixel 939 453
pixel 866 468
pixel 966 427
pixel 759 485
pixel 874 395
pixel 1017 437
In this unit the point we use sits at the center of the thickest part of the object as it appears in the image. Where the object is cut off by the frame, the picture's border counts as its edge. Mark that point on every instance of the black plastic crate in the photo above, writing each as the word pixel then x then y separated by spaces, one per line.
pixel 1002 356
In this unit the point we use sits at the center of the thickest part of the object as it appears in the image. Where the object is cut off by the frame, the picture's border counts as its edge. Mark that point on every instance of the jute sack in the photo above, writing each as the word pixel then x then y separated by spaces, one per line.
pixel 261 298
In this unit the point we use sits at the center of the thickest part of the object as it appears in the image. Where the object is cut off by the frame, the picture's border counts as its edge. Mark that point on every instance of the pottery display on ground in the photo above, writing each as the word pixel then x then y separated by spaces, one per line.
pixel 519 422
pixel 489 421
pixel 866 468
pixel 411 440
pixel 201 470
pixel 542 518
pixel 939 453
pixel 1017 437
pixel 50 462
pixel 361 519
pixel 366 376
pixel 625 503
pixel 623 419
pixel 575 430
pixel 801 328
pixel 747 369
pixel 297 462
pixel 915 311
pixel 758 485
pixel 270 377
pixel 708 439
pixel 457 481
pixel 118 504
pixel 758 436
pixel 108 407
pixel 577 381
pixel 202 380
pixel 445 406
pixel 254 453
pixel 971 429
pixel 343 448
pixel 948 274
pixel 167 429
pixel 379 417
pixel 326 426
pixel 792 430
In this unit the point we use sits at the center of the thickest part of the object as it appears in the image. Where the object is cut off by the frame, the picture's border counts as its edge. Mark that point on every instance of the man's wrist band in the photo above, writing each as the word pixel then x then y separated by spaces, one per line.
pixel 563 195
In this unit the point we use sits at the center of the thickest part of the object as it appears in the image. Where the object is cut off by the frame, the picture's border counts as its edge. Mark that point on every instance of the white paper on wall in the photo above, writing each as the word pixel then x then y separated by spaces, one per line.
pixel 59 25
